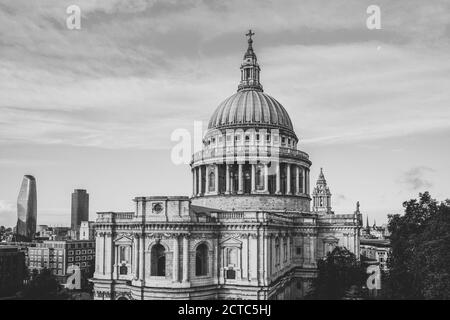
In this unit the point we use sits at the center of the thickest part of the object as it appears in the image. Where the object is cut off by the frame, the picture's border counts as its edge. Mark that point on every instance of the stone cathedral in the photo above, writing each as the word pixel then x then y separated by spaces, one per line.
pixel 247 232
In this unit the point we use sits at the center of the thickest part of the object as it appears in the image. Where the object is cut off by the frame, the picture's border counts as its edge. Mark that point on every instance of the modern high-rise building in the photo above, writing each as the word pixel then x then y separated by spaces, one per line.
pixel 27 209
pixel 80 208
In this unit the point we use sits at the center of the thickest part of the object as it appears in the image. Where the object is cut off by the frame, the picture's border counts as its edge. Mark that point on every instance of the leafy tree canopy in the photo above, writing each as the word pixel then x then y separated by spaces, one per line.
pixel 339 275
pixel 42 286
pixel 419 265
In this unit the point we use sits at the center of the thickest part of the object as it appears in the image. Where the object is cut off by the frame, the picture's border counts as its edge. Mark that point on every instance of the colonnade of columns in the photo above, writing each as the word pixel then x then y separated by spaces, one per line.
pixel 205 179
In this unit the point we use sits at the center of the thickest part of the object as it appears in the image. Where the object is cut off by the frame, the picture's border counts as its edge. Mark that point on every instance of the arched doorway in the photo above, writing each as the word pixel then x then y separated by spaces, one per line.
pixel 158 260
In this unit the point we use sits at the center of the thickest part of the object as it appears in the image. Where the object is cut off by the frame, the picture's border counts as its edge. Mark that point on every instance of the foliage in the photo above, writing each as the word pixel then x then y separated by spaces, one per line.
pixel 420 260
pixel 42 286
pixel 339 275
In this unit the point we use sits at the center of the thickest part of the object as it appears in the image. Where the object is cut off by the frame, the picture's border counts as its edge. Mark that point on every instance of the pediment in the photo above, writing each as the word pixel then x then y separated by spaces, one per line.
pixel 330 239
pixel 231 242
pixel 123 239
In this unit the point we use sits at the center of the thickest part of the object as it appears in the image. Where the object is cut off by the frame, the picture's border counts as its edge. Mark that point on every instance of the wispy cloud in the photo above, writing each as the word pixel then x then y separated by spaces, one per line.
pixel 7 213
pixel 417 178
pixel 139 69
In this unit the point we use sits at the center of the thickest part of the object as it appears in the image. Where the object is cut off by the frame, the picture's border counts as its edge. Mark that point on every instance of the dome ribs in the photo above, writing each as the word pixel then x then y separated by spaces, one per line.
pixel 250 107
pixel 219 116
pixel 258 110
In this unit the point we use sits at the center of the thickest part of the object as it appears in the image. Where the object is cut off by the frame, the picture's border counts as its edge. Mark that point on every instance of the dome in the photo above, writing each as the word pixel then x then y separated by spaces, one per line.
pixel 250 107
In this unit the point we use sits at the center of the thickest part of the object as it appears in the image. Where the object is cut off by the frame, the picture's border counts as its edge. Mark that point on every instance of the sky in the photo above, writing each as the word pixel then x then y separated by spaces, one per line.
pixel 95 108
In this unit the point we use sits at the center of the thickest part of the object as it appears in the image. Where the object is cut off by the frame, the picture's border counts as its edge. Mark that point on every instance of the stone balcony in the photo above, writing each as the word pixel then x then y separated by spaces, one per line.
pixel 249 151
pixel 111 217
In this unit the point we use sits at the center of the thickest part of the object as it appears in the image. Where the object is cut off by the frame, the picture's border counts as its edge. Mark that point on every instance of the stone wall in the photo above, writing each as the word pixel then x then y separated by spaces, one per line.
pixel 254 202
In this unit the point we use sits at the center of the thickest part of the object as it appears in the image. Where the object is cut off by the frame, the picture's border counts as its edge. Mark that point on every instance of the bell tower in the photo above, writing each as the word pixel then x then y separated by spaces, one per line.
pixel 321 196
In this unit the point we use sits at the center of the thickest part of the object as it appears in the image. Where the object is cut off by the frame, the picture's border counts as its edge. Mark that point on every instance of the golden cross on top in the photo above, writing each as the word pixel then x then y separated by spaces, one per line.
pixel 250 34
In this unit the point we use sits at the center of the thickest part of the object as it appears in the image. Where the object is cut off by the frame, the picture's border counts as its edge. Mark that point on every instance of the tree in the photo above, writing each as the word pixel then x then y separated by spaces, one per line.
pixel 42 286
pixel 419 265
pixel 339 274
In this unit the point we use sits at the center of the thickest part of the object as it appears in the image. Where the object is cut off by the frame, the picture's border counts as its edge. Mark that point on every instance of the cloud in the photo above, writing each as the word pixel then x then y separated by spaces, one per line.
pixel 339 198
pixel 417 178
pixel 137 70
pixel 7 213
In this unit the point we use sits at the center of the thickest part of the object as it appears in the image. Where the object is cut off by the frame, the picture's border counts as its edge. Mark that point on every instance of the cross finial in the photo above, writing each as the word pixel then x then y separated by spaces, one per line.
pixel 250 34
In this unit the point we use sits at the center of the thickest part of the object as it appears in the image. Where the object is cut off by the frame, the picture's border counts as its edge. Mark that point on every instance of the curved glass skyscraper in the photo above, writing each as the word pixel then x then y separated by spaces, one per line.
pixel 27 209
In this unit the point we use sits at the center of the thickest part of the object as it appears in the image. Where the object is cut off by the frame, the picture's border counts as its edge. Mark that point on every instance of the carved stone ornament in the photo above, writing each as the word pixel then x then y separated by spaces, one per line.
pixel 157 208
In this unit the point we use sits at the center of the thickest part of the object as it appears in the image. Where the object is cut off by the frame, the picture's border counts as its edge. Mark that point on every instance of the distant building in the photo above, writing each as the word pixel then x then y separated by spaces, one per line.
pixel 12 270
pixel 27 209
pixel 80 208
pixel 87 231
pixel 376 250
pixel 60 233
pixel 57 256
pixel 374 231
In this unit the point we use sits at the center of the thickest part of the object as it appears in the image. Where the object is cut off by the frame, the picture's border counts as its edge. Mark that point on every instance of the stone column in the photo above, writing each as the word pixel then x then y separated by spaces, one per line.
pixel 240 180
pixel 288 178
pixel 304 181
pixel 216 179
pixel 302 170
pixel 297 180
pixel 227 179
pixel 135 257
pixel 185 259
pixel 266 260
pixel 307 181
pixel 206 180
pixel 109 251
pixel 266 178
pixel 199 180
pixel 278 178
pixel 311 249
pixel 289 257
pixel 99 255
pixel 194 182
pixel 175 260
pixel 253 178
pixel 141 257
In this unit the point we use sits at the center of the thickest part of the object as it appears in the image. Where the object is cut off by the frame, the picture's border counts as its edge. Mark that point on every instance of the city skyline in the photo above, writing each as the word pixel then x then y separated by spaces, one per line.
pixel 369 106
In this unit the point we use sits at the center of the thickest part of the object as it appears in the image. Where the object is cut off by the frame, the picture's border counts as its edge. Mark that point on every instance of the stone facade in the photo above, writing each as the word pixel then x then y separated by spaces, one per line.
pixel 247 231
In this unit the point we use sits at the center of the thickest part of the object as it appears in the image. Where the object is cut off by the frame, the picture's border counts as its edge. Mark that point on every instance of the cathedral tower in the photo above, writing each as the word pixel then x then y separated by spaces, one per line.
pixel 322 196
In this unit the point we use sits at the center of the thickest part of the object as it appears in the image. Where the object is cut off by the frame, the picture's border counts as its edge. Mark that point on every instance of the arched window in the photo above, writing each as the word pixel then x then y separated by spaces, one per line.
pixel 301 181
pixel 158 260
pixel 259 177
pixel 211 181
pixel 201 260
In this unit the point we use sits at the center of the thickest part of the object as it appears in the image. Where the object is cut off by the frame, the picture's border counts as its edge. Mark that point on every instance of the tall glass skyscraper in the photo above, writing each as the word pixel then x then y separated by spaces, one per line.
pixel 80 208
pixel 27 209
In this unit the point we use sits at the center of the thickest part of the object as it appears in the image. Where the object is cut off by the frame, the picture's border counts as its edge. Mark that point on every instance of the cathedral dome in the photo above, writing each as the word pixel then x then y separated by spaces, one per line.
pixel 250 108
